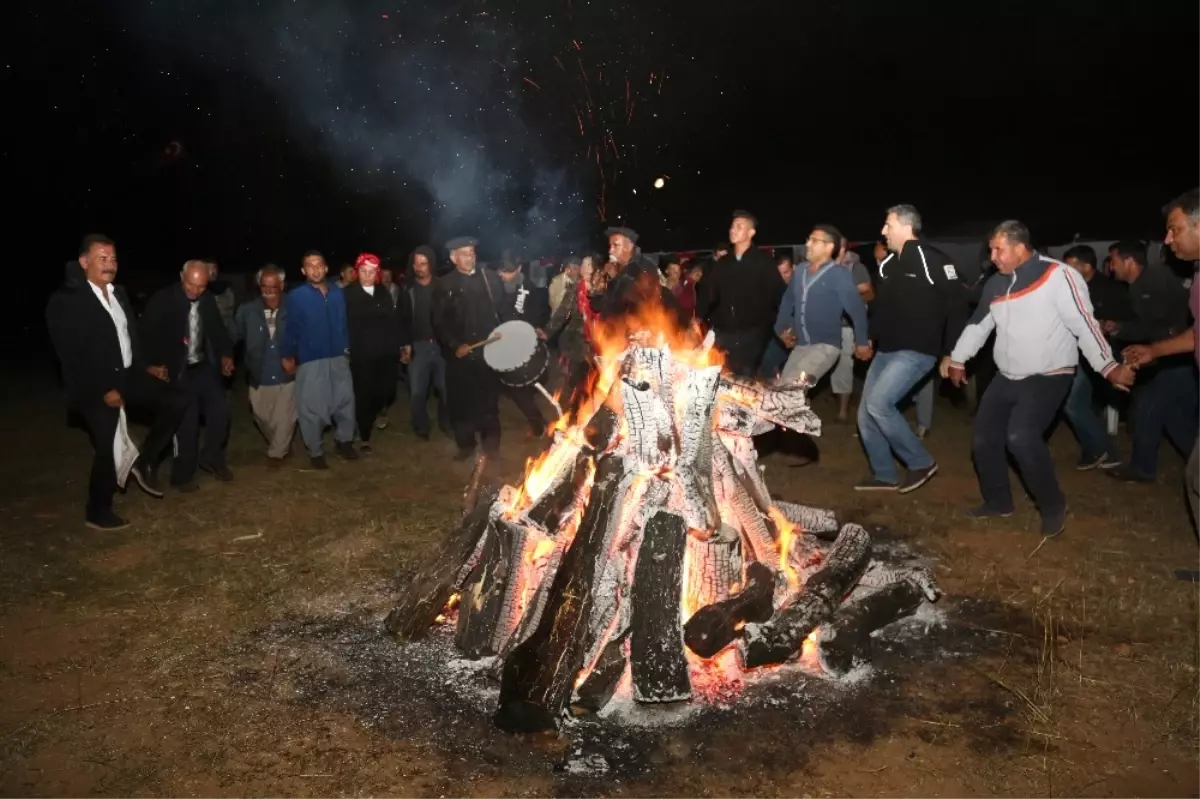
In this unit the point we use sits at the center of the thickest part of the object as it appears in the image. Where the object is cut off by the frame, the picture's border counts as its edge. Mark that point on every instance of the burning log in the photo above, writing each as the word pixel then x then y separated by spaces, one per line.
pixel 783 406
pixel 781 637
pixel 697 394
pixel 714 568
pixel 845 642
pixel 485 595
pixel 471 493
pixel 431 587
pixel 539 673
pixel 601 683
pixel 660 669
pixel 715 626
pixel 548 511
pixel 816 521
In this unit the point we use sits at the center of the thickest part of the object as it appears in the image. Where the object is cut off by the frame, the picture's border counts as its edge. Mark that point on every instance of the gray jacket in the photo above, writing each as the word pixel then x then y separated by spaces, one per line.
pixel 263 367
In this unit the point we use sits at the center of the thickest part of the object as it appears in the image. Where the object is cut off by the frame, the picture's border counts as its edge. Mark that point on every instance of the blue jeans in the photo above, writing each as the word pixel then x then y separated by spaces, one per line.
pixel 427 369
pixel 881 426
pixel 1080 411
pixel 1166 403
pixel 923 399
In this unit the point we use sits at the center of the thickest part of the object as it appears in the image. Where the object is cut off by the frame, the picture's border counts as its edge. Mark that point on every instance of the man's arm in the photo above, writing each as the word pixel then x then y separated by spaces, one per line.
pixel 1074 306
pixel 1142 354
pixel 975 333
pixel 442 317
pixel 855 308
pixel 862 281
pixel 952 294
pixel 240 321
pixel 215 326
pixel 708 291
pixel 787 310
pixel 290 344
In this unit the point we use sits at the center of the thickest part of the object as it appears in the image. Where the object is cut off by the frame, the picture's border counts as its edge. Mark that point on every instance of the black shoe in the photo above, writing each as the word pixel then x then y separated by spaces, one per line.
pixel 347 451
pixel 365 448
pixel 318 462
pixel 221 472
pixel 1054 523
pixel 147 477
pixel 464 454
pixel 190 487
pixel 107 522
pixel 873 484
pixel 915 478
pixel 1125 475
pixel 986 511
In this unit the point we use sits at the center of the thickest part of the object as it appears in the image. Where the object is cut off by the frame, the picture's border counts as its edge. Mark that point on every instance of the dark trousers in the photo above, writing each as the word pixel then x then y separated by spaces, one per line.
pixel 427 370
pixel 575 388
pixel 1013 417
pixel 374 378
pixel 472 397
pixel 525 398
pixel 743 350
pixel 159 403
pixel 1164 403
pixel 204 390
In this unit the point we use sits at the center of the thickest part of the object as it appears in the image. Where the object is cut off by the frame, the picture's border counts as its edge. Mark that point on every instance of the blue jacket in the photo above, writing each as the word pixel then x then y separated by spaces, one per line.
pixel 262 352
pixel 316 325
pixel 813 306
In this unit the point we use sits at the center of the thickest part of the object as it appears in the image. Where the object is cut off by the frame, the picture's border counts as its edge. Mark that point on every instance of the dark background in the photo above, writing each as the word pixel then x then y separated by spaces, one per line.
pixel 252 131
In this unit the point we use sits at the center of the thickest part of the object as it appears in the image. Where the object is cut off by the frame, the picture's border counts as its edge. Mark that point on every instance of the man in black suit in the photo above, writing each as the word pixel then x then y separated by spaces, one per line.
pixel 90 322
pixel 182 328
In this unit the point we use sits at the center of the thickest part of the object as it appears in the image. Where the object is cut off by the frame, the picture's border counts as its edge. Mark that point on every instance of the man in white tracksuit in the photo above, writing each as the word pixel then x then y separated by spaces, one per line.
pixel 1042 315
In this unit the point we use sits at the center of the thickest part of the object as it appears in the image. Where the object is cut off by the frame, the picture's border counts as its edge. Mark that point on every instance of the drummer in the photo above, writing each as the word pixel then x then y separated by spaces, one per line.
pixel 526 307
pixel 468 304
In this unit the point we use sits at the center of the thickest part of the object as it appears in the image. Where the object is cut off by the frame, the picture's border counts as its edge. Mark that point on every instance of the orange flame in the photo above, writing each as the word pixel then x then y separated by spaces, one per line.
pixel 787 532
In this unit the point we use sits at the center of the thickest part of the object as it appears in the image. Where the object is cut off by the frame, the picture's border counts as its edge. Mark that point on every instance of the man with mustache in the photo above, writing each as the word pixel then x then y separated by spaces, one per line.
pixel 104 371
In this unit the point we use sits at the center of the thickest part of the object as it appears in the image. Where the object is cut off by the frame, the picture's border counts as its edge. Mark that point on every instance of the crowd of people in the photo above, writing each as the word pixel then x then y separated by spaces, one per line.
pixel 329 354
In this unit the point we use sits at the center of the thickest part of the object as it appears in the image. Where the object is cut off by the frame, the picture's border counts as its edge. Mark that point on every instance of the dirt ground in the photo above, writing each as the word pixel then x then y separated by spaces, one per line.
pixel 228 643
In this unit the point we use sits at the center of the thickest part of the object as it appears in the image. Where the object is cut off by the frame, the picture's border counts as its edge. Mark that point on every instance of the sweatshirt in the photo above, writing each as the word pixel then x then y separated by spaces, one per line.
pixel 1042 315
pixel 814 303
pixel 920 305
pixel 316 324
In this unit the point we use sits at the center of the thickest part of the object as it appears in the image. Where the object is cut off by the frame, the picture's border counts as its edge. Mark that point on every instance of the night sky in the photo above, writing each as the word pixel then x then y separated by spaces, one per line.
pixel 251 131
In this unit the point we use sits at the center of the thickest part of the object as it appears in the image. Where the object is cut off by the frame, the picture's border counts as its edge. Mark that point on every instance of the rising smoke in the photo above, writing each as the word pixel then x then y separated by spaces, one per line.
pixel 425 92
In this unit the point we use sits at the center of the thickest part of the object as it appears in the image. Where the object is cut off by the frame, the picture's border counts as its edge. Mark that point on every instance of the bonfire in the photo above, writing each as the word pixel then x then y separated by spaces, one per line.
pixel 644 544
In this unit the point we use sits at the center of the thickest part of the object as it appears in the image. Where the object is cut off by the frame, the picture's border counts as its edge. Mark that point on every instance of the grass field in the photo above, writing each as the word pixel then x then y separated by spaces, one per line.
pixel 186 655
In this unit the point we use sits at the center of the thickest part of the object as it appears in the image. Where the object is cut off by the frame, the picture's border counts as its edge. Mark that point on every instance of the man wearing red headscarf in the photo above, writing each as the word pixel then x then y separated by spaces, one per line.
pixel 374 330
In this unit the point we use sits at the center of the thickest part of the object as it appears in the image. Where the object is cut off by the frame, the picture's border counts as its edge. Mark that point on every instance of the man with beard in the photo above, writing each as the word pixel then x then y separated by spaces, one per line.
pixel 104 370
pixel 374 331
pixel 315 350
pixel 741 296
pixel 183 329
pixel 260 324
pixel 419 347
pixel 468 304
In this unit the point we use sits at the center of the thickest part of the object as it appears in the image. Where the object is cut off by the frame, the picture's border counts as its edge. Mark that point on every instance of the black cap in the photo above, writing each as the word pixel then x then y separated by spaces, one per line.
pixel 628 233
pixel 459 243
pixel 508 266
pixel 572 260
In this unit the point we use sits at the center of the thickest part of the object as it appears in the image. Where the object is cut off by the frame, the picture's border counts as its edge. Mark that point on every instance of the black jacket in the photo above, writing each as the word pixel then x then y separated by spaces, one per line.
pixel 467 308
pixel 164 331
pixel 1159 307
pixel 737 296
pixel 920 304
pixel 86 341
pixel 1110 298
pixel 634 285
pixel 373 323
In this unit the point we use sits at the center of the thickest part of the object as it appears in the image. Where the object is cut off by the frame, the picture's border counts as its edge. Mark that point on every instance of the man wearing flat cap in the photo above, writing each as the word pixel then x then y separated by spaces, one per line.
pixel 468 304
pixel 625 268
pixel 740 296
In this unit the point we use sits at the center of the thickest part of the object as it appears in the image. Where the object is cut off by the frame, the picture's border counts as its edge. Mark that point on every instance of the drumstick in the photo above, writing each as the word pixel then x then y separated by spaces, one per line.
pixel 490 340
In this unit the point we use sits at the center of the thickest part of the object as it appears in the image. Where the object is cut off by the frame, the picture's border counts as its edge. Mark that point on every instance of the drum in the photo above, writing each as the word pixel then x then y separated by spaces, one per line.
pixel 518 356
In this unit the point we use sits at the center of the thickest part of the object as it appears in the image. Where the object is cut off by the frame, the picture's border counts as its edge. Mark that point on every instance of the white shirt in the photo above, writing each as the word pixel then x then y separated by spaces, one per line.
pixel 370 289
pixel 108 298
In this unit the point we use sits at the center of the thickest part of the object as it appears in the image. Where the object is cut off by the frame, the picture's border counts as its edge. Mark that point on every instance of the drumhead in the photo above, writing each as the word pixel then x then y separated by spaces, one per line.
pixel 516 347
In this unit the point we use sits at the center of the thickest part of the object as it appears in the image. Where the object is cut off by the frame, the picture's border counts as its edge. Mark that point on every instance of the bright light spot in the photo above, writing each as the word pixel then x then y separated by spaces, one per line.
pixel 659 183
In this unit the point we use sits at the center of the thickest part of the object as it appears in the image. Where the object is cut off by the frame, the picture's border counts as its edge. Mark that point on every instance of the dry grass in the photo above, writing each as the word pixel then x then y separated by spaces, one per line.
pixel 114 650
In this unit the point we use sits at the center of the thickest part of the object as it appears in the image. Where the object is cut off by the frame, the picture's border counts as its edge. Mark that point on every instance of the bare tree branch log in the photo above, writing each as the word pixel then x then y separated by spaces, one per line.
pixel 481 607
pixel 660 670
pixel 432 585
pixel 845 641
pixel 601 682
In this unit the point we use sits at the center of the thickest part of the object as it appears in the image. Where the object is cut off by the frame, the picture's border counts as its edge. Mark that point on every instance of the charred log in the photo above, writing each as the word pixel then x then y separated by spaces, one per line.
pixel 434 582
pixel 552 506
pixel 816 521
pixel 538 676
pixel 660 670
pixel 601 683
pixel 781 637
pixel 474 484
pixel 481 607
pixel 845 641
pixel 714 627
pixel 602 429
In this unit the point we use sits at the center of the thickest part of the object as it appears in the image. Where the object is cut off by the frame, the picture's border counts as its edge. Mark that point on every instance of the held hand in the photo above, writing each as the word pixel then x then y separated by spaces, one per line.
pixel 540 333
pixel 788 337
pixel 1109 326
pixel 944 367
pixel 1137 355
pixel 113 399
pixel 405 354
pixel 226 365
pixel 957 374
pixel 1122 377
pixel 462 351
pixel 864 353
pixel 289 366
pixel 159 372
